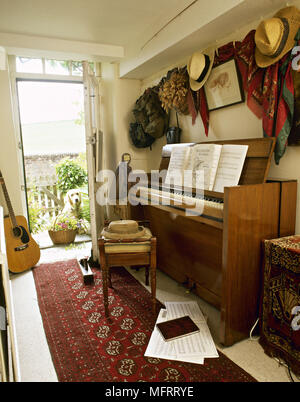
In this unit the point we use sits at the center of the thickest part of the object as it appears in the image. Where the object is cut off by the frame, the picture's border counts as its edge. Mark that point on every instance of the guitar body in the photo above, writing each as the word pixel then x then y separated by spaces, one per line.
pixel 22 251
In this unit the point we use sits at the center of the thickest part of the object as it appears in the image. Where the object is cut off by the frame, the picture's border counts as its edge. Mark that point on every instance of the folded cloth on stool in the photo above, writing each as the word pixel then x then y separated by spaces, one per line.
pixel 125 230
pixel 132 247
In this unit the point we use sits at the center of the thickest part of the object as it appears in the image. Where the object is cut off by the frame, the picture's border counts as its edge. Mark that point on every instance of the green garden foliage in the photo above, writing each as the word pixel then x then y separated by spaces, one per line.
pixel 70 175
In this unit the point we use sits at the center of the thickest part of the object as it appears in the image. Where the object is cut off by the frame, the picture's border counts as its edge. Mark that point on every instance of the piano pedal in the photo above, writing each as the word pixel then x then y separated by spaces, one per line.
pixel 193 287
pixel 188 284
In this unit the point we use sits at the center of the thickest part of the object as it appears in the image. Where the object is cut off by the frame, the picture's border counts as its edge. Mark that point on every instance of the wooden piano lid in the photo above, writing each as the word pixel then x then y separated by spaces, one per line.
pixel 258 158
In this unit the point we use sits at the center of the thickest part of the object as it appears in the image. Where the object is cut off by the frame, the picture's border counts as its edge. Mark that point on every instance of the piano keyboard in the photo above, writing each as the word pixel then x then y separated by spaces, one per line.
pixel 199 205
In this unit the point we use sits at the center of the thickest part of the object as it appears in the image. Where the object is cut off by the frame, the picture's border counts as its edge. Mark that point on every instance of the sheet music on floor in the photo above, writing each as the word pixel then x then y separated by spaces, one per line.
pixel 159 348
pixel 180 309
pixel 199 343
pixel 191 348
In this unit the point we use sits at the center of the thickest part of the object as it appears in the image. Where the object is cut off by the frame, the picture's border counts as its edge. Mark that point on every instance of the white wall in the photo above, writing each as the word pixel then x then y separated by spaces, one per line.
pixel 118 97
pixel 117 100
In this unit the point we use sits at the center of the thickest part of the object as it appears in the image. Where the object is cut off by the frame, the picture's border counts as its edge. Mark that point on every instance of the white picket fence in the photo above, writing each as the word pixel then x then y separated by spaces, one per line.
pixel 47 198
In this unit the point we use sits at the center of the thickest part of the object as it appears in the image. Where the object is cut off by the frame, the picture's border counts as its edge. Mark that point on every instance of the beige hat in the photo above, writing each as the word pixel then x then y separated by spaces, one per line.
pixel 275 36
pixel 124 229
pixel 199 68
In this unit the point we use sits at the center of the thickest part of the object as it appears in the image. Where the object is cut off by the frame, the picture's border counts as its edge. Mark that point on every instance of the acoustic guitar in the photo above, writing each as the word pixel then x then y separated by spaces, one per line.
pixel 22 251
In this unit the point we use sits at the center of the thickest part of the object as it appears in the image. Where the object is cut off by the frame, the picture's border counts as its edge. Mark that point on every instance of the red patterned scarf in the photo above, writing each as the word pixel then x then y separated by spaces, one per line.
pixel 197 102
pixel 270 92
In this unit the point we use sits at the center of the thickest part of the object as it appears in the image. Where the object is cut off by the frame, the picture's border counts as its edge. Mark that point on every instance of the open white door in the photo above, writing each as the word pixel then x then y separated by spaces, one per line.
pixel 93 150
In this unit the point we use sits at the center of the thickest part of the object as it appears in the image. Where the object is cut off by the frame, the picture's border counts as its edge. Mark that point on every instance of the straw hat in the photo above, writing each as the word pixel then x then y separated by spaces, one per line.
pixel 124 229
pixel 199 68
pixel 275 36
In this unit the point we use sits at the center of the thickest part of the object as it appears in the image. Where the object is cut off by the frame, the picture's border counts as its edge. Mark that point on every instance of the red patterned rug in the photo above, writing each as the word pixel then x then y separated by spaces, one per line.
pixel 85 346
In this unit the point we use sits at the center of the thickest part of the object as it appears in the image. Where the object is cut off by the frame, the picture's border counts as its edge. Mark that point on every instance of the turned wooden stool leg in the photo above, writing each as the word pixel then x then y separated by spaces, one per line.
pixel 105 274
pixel 146 275
pixel 105 288
pixel 153 273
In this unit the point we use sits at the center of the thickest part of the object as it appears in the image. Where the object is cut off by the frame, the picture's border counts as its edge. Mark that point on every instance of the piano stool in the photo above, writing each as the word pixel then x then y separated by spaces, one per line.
pixel 131 253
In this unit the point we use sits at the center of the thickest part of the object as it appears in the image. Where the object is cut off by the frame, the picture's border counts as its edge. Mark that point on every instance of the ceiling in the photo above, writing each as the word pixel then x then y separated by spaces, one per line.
pixel 142 35
pixel 114 22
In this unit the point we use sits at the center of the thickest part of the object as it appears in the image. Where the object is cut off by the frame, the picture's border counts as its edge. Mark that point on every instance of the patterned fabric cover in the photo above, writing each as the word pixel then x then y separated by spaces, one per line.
pixel 280 307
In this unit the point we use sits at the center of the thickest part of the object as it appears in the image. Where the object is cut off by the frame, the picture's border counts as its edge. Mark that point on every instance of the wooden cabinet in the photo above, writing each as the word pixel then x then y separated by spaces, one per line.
pixel 280 307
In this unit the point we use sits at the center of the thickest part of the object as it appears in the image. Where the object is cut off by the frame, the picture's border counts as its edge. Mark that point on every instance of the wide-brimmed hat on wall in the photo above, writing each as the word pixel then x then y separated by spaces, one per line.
pixel 275 36
pixel 123 229
pixel 199 68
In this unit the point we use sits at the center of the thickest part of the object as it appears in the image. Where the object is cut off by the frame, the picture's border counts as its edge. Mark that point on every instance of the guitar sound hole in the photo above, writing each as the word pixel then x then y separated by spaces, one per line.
pixel 17 231
pixel 20 231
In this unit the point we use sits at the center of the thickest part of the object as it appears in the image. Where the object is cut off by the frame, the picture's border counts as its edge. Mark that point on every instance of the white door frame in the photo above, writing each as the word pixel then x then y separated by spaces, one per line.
pixel 94 150
pixel 92 133
pixel 14 76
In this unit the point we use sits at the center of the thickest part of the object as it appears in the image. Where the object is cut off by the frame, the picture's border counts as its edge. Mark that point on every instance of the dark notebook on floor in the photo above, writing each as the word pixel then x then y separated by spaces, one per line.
pixel 176 328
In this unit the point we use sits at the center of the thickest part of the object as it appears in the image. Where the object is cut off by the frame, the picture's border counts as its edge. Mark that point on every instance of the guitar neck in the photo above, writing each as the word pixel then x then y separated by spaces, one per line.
pixel 8 203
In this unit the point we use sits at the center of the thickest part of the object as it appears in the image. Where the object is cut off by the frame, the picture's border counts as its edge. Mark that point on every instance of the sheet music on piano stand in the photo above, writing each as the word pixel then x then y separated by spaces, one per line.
pixel 208 166
pixel 192 348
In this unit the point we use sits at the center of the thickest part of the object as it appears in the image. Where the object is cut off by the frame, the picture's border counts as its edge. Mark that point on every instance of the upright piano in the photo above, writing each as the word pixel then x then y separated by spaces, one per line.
pixel 218 253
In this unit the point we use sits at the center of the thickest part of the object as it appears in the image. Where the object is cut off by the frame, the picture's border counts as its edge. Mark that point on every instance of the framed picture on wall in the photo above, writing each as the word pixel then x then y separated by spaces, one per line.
pixel 224 86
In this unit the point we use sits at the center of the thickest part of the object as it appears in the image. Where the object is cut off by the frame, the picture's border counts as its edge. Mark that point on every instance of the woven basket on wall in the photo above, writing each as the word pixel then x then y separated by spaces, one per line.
pixel 62 236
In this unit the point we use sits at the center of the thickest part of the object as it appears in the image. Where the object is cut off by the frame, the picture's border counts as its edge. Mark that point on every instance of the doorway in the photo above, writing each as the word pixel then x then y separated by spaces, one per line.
pixel 54 152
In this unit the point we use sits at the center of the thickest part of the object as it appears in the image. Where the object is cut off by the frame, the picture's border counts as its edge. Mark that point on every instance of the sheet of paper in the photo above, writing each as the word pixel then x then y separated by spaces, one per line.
pixel 158 348
pixel 167 149
pixel 205 158
pixel 180 309
pixel 198 344
pixel 191 348
pixel 230 166
pixel 176 166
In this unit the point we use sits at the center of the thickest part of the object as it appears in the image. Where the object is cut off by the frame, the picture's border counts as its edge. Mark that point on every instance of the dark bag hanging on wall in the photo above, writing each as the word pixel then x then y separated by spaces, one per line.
pixel 151 121
pixel 149 113
pixel 173 133
pixel 138 136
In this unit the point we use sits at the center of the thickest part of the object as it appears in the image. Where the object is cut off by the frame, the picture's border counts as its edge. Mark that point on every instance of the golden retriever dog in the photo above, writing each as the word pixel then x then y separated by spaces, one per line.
pixel 72 203
pixel 72 208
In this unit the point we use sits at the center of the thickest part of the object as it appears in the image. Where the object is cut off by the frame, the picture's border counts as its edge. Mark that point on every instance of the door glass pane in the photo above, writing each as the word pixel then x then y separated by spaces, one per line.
pixel 29 65
pixel 57 67
pixel 53 136
pixel 77 68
